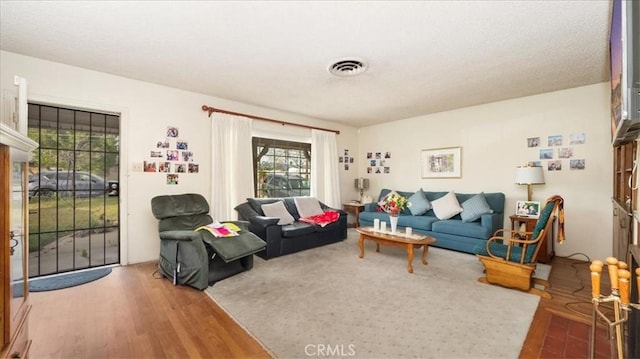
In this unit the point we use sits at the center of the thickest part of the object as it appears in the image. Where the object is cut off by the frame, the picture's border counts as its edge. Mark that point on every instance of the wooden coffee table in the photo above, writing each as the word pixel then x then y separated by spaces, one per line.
pixel 397 240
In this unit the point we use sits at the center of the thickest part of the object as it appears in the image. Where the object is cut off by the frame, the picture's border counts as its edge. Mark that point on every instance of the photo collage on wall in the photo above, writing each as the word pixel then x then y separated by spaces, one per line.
pixel 346 160
pixel 379 162
pixel 559 155
pixel 172 156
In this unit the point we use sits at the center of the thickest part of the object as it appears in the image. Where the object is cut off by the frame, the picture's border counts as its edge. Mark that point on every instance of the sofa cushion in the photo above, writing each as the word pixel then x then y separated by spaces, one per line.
pixel 307 206
pixel 419 203
pixel 447 206
pixel 459 228
pixel 297 229
pixel 474 208
pixel 277 209
pixel 417 222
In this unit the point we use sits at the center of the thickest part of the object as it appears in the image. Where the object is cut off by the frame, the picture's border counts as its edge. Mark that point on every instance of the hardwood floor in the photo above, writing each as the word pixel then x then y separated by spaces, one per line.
pixel 131 314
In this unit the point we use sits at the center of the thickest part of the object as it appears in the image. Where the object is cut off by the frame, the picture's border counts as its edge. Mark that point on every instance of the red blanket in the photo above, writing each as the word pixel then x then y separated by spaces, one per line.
pixel 322 219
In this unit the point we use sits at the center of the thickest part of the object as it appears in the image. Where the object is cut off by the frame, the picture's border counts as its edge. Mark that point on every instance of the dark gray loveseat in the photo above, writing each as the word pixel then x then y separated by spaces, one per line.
pixel 293 237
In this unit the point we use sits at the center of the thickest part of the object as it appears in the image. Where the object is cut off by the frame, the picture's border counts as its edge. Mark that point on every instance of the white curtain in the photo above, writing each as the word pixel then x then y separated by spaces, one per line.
pixel 231 165
pixel 325 178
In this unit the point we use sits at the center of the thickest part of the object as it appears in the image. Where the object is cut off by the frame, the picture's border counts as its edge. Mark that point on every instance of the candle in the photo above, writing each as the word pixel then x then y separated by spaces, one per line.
pixel 383 226
pixel 376 224
pixel 408 231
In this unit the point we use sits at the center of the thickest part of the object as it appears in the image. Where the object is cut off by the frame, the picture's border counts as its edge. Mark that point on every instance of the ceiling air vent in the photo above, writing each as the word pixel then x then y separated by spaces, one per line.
pixel 347 67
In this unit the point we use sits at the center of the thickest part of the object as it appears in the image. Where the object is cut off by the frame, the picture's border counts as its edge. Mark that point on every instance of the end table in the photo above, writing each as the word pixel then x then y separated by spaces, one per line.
pixel 546 252
pixel 355 208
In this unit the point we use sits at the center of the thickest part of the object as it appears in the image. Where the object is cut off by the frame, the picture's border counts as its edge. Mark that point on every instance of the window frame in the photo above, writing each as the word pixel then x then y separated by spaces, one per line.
pixel 286 155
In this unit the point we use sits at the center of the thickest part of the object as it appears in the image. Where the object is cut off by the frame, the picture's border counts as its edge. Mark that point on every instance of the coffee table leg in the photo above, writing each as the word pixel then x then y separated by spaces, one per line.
pixel 410 258
pixel 361 245
pixel 377 247
pixel 425 251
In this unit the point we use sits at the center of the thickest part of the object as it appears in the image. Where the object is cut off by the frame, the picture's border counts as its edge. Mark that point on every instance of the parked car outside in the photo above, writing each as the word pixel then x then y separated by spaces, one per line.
pixel 285 185
pixel 114 188
pixel 68 183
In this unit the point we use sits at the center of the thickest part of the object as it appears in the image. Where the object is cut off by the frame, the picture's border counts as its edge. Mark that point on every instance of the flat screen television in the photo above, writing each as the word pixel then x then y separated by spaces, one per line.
pixel 625 71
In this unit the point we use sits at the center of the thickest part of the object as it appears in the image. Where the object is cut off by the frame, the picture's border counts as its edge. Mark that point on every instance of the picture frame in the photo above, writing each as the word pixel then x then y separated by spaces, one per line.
pixel 443 162
pixel 528 209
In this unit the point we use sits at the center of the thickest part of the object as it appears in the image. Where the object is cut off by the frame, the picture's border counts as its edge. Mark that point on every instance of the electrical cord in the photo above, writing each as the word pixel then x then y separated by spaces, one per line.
pixel 569 306
pixel 575 268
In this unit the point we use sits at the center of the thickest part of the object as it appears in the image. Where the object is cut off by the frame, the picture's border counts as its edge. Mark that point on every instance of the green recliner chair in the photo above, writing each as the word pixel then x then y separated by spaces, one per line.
pixel 198 258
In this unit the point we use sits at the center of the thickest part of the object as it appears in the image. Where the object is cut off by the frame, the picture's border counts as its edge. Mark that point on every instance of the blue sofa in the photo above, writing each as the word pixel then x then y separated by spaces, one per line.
pixel 451 233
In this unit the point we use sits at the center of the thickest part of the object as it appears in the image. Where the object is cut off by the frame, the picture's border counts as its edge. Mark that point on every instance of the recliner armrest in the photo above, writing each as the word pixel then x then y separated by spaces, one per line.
pixel 179 235
pixel 243 225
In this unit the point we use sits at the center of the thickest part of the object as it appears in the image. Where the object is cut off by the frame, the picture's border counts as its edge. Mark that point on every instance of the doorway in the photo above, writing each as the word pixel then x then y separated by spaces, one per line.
pixel 73 189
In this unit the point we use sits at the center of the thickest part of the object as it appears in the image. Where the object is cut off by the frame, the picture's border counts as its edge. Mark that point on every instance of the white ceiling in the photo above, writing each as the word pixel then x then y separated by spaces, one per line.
pixel 423 56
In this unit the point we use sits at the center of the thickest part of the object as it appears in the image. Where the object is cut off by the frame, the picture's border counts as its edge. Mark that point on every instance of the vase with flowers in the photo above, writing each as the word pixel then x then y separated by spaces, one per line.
pixel 393 204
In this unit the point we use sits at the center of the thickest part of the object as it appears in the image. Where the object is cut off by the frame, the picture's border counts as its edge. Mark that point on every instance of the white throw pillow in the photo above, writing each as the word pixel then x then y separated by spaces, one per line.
pixel 446 206
pixel 278 210
pixel 307 206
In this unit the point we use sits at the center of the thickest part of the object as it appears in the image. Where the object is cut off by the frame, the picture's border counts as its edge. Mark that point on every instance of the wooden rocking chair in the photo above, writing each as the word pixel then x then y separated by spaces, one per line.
pixel 509 256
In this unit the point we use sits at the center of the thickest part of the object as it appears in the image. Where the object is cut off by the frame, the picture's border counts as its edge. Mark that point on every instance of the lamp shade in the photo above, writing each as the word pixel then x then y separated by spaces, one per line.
pixel 529 175
pixel 361 183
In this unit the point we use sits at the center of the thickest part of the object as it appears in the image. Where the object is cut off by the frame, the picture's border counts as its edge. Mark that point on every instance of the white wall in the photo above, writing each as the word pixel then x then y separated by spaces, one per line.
pixel 146 111
pixel 492 136
pixel 494 142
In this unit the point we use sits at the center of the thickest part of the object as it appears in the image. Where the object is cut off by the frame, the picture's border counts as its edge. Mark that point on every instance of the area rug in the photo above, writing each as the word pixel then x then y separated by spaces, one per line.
pixel 328 302
pixel 67 280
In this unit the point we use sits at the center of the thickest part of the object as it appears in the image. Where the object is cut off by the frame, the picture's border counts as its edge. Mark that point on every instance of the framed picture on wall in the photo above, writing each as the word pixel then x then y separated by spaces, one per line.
pixel 442 162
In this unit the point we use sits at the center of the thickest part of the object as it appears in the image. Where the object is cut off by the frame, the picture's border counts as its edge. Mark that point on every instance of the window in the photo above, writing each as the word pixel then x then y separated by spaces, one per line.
pixel 281 168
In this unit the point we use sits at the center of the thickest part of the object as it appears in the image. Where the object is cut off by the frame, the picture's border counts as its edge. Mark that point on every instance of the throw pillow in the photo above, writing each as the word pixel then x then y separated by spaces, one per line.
pixel 277 209
pixel 475 207
pixel 419 203
pixel 446 206
pixel 307 206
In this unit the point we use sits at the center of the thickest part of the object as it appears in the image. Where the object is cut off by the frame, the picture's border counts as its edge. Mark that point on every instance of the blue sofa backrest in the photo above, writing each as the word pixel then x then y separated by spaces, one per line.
pixel 495 199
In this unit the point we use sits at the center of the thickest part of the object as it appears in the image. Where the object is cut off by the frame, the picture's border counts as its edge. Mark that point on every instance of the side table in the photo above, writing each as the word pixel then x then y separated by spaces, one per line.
pixel 354 208
pixel 546 252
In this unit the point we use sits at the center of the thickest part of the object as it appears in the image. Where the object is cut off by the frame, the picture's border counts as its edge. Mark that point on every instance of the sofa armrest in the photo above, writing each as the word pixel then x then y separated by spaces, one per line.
pixel 492 221
pixel 263 221
pixel 179 235
pixel 324 207
pixel 370 207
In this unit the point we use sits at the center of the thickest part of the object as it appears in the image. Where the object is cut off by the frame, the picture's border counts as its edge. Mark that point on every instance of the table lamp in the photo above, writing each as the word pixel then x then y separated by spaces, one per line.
pixel 529 175
pixel 361 184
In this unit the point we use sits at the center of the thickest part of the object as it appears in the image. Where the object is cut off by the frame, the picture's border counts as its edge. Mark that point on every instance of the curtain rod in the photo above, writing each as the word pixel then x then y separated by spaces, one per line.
pixel 213 109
